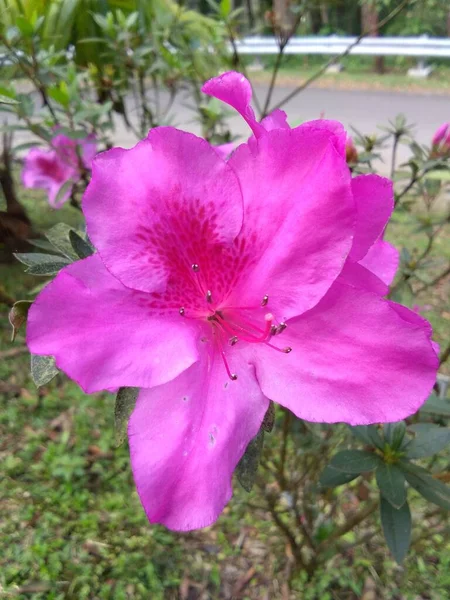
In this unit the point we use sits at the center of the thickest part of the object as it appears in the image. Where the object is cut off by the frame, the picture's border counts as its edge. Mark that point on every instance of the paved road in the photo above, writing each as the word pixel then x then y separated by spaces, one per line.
pixel 365 110
pixel 362 109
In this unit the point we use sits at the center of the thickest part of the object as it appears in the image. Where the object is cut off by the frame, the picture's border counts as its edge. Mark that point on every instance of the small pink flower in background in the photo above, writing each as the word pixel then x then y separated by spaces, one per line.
pixel 218 285
pixel 51 169
pixel 441 141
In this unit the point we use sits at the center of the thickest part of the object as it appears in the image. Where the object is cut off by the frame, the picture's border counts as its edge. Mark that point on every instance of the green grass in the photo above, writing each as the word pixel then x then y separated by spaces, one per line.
pixel 72 526
pixel 357 74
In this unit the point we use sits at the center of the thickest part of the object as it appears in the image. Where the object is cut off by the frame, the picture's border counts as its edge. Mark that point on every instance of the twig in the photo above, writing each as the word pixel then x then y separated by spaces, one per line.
pixel 283 42
pixel 241 66
pixel 336 59
pixel 352 522
pixel 434 281
pixel 445 355
pixel 394 155
pixel 284 441
pixel 13 352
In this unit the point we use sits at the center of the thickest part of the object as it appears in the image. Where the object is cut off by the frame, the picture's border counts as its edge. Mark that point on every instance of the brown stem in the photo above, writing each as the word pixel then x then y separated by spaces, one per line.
pixel 13 352
pixel 283 451
pixel 290 537
pixel 445 355
pixel 238 64
pixel 434 281
pixel 29 73
pixel 336 59
pixel 284 40
pixel 352 522
pixel 5 299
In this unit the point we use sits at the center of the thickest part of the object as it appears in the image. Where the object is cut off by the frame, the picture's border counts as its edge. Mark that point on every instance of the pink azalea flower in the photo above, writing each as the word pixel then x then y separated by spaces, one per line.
pixel 441 141
pixel 217 286
pixel 51 169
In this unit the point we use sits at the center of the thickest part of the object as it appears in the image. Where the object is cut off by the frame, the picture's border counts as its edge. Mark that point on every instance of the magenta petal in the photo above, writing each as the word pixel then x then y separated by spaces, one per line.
pixel 104 335
pixel 354 359
pixel 159 204
pixel 442 134
pixel 277 119
pixel 56 199
pixel 357 275
pixel 186 438
pixel 235 90
pixel 299 218
pixel 382 260
pixel 88 150
pixel 44 169
pixel 224 150
pixel 334 127
pixel 374 199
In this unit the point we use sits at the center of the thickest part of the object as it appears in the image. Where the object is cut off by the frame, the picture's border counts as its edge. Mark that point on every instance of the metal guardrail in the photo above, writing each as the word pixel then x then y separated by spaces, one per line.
pixel 419 47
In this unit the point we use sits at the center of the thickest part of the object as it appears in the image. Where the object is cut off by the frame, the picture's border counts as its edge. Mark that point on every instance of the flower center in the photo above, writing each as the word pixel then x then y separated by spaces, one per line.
pixel 233 324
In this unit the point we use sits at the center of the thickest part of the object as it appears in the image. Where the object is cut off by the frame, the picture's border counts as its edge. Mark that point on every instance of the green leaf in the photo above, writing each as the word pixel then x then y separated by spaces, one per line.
pixel 82 248
pixel 225 8
pixel 331 477
pixel 43 244
pixel 436 406
pixel 59 237
pixel 396 523
pixel 355 461
pixel 59 95
pixel 429 440
pixel 431 489
pixel 394 434
pixel 18 315
pixel 269 418
pixel 25 27
pixel 391 483
pixel 7 100
pixel 368 434
pixel 248 465
pixel 439 174
pixel 42 264
pixel 125 401
pixel 43 369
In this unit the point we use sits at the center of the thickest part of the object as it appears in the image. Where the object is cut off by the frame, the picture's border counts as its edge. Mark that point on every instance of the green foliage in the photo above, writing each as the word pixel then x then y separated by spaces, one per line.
pixel 43 369
pixel 18 316
pixel 397 525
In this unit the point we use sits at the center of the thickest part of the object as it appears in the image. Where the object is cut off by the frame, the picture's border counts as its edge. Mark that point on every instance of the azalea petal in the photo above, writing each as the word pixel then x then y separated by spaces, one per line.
pixel 40 168
pixel 160 203
pixel 374 199
pixel 442 134
pixel 382 259
pixel 56 199
pixel 354 359
pixel 89 150
pixel 235 90
pixel 357 275
pixel 277 119
pixel 224 150
pixel 299 218
pixel 104 335
pixel 335 127
pixel 186 438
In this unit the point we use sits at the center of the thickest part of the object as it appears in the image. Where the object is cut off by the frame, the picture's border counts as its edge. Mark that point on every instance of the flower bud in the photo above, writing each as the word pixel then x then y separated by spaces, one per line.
pixel 351 153
pixel 440 145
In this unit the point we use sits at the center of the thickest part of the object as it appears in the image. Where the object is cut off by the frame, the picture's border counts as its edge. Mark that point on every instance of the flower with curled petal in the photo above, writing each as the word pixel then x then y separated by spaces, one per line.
pixel 216 286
